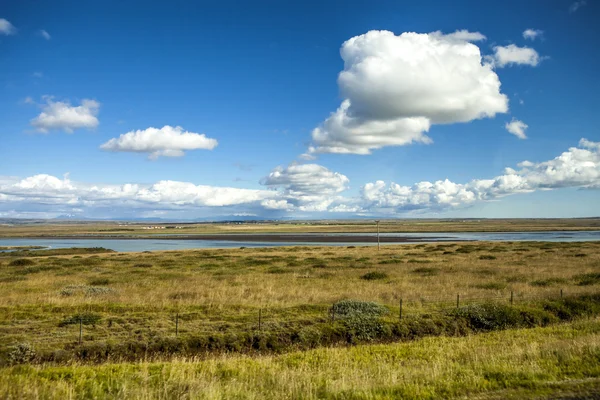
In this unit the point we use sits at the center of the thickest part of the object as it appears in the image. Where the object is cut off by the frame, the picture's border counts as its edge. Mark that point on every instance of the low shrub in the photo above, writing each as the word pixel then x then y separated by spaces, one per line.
pixel 354 308
pixel 492 286
pixel 72 290
pixel 277 270
pixel 374 275
pixel 588 279
pixel 21 262
pixel 426 271
pixel 99 281
pixel 21 353
pixel 547 282
pixel 487 317
pixel 487 257
pixel 148 265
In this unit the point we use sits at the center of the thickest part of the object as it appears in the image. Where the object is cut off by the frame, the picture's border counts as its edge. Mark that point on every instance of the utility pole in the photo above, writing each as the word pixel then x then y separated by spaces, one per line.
pixel 378 246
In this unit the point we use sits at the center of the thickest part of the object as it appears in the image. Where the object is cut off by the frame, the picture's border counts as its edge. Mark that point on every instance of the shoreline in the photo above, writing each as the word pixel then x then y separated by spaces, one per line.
pixel 296 238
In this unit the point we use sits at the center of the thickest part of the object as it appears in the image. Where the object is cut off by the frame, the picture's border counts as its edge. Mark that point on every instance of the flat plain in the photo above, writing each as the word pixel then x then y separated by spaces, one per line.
pixel 98 228
pixel 450 320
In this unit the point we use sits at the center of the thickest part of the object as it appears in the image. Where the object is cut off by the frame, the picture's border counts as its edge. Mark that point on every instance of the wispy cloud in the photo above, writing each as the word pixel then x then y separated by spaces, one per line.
pixel 44 34
pixel 6 28
pixel 577 5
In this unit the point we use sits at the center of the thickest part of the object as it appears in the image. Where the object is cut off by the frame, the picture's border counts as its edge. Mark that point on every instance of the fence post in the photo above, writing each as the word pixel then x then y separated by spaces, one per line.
pixel 259 319
pixel 561 293
pixel 457 300
pixel 400 309
pixel 177 324
pixel 80 328
pixel 511 297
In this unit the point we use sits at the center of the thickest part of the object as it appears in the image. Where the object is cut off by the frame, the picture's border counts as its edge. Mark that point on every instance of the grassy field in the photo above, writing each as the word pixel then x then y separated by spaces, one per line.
pixel 414 226
pixel 561 361
pixel 163 306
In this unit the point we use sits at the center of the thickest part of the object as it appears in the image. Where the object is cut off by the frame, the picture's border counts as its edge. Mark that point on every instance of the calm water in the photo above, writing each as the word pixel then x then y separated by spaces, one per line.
pixel 161 244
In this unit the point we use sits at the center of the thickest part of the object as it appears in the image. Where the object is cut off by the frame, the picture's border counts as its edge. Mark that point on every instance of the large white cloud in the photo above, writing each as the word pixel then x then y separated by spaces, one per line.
pixel 305 187
pixel 395 87
pixel 579 167
pixel 307 179
pixel 49 189
pixel 61 115
pixel 513 55
pixel 517 128
pixel 167 141
pixel 6 28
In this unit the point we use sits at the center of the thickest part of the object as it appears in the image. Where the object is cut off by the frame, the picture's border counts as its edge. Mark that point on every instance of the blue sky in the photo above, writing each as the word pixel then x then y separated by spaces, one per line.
pixel 258 78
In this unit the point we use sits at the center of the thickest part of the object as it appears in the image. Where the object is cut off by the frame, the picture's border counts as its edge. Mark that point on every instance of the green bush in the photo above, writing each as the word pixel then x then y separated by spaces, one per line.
pixel 492 286
pixel 21 353
pixel 426 271
pixel 546 282
pixel 365 328
pixel 374 275
pixel 487 317
pixel 99 281
pixel 21 262
pixel 356 308
pixel 588 279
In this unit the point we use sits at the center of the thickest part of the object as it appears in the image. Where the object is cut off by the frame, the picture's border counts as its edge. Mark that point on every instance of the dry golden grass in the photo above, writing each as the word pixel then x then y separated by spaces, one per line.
pixel 222 290
pixel 291 276
pixel 546 362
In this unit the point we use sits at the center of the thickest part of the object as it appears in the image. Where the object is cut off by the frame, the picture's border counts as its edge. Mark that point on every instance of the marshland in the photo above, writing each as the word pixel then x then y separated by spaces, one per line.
pixel 202 323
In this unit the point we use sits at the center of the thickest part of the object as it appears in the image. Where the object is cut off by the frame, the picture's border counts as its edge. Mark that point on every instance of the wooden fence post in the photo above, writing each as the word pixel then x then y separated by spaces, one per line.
pixel 400 309
pixel 457 300
pixel 80 328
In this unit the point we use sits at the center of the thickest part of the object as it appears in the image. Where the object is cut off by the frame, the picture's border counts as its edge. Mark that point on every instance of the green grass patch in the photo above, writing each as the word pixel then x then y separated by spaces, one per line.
pixel 374 275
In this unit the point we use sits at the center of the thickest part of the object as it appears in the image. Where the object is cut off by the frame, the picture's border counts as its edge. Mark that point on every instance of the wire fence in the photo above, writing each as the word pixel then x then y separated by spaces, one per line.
pixel 88 325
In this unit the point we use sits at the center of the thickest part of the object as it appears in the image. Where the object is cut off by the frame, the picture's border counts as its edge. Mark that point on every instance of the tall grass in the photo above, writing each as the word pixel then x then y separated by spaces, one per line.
pixel 557 359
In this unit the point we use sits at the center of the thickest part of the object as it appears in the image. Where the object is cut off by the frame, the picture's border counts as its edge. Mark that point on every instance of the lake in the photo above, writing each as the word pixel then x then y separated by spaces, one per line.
pixel 179 244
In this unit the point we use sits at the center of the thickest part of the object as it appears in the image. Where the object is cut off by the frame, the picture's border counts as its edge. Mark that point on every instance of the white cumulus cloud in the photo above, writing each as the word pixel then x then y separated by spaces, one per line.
pixel 6 28
pixel 306 187
pixel 532 34
pixel 49 189
pixel 513 55
pixel 396 86
pixel 61 115
pixel 517 128
pixel 297 188
pixel 579 167
pixel 167 141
